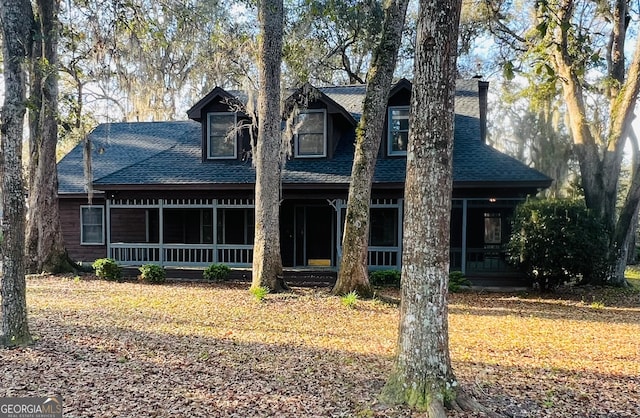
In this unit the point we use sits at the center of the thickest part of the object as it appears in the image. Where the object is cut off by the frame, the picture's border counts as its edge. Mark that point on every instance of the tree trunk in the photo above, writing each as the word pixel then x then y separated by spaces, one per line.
pixel 600 174
pixel 353 274
pixel 44 234
pixel 422 376
pixel 35 138
pixel 16 18
pixel 267 262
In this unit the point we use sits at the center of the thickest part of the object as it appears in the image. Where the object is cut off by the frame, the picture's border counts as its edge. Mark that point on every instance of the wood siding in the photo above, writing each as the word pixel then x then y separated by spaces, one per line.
pixel 70 223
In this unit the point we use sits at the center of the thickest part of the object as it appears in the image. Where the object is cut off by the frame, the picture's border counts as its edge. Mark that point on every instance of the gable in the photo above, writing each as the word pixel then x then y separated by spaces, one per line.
pixel 217 100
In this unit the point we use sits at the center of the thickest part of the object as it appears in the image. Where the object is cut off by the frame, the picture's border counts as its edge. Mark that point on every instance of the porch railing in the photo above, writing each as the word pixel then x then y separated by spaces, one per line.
pixel 196 255
pixel 384 258
pixel 481 260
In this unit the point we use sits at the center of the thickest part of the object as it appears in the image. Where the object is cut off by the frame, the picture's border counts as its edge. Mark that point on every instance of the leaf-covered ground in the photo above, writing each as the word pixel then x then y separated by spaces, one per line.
pixel 211 350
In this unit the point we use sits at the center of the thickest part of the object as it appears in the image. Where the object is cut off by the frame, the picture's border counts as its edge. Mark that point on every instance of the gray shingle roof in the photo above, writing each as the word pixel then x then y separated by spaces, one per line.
pixel 169 153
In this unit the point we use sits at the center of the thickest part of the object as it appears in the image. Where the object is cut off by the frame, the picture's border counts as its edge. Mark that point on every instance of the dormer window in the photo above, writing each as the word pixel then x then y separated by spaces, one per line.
pixel 398 134
pixel 221 135
pixel 311 137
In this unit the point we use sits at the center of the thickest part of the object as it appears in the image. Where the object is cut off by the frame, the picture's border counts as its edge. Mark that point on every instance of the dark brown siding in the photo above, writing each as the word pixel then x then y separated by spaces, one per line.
pixel 70 224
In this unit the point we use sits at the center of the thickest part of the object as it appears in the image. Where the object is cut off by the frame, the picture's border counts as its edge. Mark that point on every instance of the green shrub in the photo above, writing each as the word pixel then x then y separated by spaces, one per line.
pixel 457 280
pixel 350 299
pixel 555 241
pixel 107 268
pixel 152 273
pixel 216 272
pixel 390 278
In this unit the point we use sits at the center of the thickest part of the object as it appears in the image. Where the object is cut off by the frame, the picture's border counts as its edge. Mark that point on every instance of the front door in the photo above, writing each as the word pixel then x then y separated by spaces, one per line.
pixel 314 237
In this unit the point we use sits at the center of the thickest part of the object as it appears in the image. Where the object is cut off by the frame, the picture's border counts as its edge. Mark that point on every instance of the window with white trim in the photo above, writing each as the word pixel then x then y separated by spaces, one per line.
pixel 91 225
pixel 311 136
pixel 222 138
pixel 398 131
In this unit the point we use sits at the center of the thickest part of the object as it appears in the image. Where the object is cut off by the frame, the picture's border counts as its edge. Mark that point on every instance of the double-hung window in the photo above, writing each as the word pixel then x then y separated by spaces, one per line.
pixel 398 134
pixel 311 135
pixel 91 225
pixel 221 135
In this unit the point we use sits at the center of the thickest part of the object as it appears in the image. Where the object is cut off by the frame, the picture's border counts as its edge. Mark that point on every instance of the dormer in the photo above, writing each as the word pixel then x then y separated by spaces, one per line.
pixel 221 116
pixel 396 136
pixel 320 122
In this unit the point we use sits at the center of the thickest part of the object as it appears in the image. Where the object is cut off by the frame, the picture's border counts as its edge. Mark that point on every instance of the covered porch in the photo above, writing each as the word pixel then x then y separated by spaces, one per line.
pixel 200 232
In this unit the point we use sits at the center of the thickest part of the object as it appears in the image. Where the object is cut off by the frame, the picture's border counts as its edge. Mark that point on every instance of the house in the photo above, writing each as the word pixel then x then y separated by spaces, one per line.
pixel 181 193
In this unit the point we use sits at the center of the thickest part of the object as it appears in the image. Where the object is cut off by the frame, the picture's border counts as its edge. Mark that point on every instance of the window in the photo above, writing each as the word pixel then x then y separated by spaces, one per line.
pixel 222 143
pixel 91 225
pixel 398 135
pixel 311 136
pixel 492 228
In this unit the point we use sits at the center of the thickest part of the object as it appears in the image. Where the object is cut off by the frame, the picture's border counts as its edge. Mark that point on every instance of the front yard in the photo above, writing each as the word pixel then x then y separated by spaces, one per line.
pixel 211 350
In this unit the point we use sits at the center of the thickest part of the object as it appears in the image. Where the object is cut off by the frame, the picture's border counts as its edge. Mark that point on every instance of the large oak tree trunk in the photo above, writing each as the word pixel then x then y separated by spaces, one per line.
pixel 16 19
pixel 267 261
pixel 353 274
pixel 45 245
pixel 422 376
pixel 600 157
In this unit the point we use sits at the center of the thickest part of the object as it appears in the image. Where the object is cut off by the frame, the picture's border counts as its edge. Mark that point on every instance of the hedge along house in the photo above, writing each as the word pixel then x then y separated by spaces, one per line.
pixel 181 193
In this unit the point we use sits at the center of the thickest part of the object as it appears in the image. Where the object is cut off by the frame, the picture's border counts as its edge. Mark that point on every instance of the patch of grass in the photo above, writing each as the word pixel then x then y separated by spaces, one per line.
pixel 350 300
pixel 597 305
pixel 259 293
pixel 632 273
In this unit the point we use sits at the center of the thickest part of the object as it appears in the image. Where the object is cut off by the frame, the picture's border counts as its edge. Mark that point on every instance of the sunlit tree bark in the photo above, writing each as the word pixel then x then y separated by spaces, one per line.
pixel 45 250
pixel 267 261
pixel 353 274
pixel 583 48
pixel 422 376
pixel 16 17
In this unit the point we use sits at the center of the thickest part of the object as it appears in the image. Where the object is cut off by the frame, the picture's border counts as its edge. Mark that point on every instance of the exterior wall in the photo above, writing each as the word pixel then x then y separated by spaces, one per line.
pixel 471 250
pixel 70 224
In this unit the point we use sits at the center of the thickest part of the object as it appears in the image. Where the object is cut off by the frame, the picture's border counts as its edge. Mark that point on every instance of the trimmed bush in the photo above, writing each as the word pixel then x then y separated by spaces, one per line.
pixel 216 272
pixel 457 280
pixel 555 241
pixel 389 278
pixel 107 268
pixel 152 273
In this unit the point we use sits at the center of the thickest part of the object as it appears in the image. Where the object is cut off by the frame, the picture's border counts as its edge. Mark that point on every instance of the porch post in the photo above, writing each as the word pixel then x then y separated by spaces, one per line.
pixel 400 223
pixel 338 207
pixel 463 254
pixel 108 226
pixel 161 230
pixel 215 230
